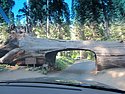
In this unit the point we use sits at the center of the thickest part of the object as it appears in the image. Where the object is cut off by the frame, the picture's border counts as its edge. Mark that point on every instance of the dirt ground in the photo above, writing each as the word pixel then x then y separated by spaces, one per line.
pixel 19 74
pixel 82 70
pixel 113 77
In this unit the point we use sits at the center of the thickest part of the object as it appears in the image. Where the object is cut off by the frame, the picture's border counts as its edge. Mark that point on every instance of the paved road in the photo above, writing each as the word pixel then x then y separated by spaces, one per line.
pixel 81 70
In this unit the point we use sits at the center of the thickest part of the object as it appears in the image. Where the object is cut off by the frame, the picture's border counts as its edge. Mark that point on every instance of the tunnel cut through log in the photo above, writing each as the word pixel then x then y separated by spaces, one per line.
pixel 51 56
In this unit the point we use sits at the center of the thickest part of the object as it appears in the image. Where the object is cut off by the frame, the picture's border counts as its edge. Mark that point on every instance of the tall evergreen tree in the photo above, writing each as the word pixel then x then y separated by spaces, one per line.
pixel 47 11
pixel 58 11
pixel 94 12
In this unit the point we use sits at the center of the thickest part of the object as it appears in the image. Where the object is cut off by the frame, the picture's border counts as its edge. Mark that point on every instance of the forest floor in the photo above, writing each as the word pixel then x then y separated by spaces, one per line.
pixel 79 71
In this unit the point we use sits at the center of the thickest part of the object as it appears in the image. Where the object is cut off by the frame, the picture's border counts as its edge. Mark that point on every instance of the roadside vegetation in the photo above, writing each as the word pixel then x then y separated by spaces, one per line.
pixel 67 58
pixel 63 62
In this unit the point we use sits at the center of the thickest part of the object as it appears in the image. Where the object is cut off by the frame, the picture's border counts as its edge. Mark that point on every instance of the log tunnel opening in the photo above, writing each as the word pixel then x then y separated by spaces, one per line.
pixel 59 59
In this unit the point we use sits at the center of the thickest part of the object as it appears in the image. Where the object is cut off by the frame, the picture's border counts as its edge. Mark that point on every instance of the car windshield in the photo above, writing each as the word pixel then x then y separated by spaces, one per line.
pixel 74 40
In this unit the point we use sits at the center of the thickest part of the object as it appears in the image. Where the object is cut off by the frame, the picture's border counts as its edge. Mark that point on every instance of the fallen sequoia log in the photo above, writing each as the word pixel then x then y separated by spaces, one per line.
pixel 9 52
pixel 11 55
pixel 33 50
pixel 12 52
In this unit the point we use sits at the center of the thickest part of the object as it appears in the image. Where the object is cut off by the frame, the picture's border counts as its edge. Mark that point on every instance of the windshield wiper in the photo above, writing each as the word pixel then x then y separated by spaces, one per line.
pixel 68 83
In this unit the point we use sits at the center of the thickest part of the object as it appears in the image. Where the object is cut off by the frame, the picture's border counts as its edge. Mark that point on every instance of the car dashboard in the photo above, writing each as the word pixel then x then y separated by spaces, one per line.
pixel 40 88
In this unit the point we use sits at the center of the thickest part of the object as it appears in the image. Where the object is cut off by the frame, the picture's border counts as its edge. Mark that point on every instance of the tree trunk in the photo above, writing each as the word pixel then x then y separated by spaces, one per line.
pixel 82 37
pixel 10 48
pixel 106 20
pixel 47 19
pixel 11 55
pixel 60 32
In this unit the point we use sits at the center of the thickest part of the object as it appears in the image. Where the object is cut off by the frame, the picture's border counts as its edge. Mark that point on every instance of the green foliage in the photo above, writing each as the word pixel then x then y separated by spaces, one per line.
pixel 119 10
pixel 90 55
pixel 96 12
pixel 87 32
pixel 69 60
pixel 63 62
pixel 3 67
pixel 59 31
pixel 60 64
pixel 3 34
pixel 117 31
pixel 37 11
pixel 86 10
pixel 55 31
pixel 57 10
pixel 75 54
pixel 54 16
pixel 39 32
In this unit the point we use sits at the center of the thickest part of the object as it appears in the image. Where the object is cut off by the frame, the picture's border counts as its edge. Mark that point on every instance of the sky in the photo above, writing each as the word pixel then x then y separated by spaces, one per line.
pixel 19 4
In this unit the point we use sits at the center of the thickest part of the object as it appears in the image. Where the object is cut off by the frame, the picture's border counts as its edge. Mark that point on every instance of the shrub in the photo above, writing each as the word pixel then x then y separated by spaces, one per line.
pixel 63 62
pixel 60 64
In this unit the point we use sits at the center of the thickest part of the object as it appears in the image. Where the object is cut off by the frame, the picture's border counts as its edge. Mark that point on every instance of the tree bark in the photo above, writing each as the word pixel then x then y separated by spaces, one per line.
pixel 106 20
pixel 11 55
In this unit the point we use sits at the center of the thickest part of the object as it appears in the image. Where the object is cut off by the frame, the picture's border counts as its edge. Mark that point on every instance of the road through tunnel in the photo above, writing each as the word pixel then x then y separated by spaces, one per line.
pixel 61 58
